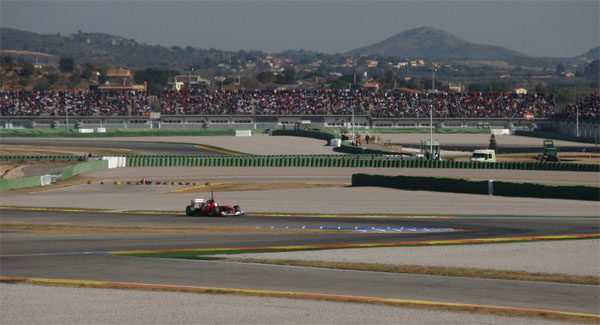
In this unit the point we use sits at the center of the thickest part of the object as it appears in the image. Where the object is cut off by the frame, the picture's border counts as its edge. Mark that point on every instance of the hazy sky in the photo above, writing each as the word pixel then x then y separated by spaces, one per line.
pixel 534 27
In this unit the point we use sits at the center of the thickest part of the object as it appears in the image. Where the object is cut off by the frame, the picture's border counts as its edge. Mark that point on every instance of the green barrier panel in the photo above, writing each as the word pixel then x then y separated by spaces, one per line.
pixel 70 171
pixel 16 183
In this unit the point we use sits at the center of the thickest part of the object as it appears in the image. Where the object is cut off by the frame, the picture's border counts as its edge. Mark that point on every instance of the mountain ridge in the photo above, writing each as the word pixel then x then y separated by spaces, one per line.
pixel 434 44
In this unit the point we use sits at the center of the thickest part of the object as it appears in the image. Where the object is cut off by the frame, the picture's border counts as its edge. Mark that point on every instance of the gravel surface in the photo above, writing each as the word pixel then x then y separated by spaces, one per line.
pixel 239 173
pixel 30 304
pixel 363 200
pixel 575 257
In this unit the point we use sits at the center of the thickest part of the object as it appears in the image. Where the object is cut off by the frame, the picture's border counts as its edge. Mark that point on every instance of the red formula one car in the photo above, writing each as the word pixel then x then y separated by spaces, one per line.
pixel 202 207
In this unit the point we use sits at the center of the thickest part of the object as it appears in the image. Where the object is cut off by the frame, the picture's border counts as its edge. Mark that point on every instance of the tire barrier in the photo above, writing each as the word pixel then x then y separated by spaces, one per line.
pixel 350 161
pixel 455 185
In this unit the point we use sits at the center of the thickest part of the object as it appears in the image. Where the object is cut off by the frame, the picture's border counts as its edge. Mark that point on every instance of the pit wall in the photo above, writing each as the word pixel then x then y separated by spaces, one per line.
pixel 455 185
pixel 352 161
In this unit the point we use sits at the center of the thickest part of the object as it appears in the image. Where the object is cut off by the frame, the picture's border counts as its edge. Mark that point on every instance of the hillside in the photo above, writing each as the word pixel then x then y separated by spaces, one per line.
pixel 97 47
pixel 593 54
pixel 434 44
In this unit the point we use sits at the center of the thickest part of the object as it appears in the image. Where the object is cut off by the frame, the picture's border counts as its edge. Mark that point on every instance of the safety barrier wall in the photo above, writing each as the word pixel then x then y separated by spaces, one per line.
pixel 454 185
pixel 335 160
pixel 360 161
pixel 11 184
pixel 73 170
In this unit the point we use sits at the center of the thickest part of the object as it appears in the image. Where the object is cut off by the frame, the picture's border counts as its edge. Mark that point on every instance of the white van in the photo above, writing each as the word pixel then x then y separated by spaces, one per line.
pixel 484 155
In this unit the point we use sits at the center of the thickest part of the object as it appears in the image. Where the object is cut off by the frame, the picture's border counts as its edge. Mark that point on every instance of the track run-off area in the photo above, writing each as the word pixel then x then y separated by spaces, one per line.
pixel 137 236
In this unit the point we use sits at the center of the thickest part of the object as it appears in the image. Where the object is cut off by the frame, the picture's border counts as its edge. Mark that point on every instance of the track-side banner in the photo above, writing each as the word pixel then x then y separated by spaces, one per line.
pixel 116 162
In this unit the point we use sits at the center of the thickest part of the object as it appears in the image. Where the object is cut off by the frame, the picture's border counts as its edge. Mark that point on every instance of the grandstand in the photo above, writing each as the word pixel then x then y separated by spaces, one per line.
pixel 390 104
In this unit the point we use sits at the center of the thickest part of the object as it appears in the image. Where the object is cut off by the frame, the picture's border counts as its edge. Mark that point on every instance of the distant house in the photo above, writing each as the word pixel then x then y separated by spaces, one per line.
pixel 187 81
pixel 520 91
pixel 410 91
pixel 456 87
pixel 373 85
pixel 121 79
pixel 372 63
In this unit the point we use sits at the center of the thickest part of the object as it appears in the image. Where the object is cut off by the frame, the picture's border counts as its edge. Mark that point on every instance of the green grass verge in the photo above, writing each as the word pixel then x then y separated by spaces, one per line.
pixel 426 130
pixel 73 133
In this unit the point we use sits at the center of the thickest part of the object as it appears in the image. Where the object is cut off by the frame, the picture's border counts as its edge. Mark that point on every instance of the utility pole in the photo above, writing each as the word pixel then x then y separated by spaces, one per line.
pixel 576 113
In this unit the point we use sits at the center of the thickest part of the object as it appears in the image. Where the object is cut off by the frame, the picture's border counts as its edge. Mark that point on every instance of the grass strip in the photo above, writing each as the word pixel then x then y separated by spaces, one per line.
pixel 433 270
pixel 404 303
pixel 426 130
pixel 116 132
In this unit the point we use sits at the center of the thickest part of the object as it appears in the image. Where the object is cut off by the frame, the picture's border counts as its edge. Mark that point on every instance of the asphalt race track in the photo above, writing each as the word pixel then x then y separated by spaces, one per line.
pixel 82 257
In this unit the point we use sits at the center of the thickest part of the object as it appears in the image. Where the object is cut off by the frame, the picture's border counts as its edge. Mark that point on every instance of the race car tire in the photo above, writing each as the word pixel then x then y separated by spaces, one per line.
pixel 188 211
pixel 213 211
pixel 238 210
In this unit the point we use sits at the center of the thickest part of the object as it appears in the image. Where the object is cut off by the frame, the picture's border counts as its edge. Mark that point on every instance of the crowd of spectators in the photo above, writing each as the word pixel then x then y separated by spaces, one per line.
pixel 463 105
pixel 587 107
pixel 390 104
pixel 74 103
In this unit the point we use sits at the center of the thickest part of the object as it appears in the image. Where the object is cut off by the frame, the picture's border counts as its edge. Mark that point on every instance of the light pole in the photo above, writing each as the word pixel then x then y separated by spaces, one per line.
pixel 431 115
pixel 430 131
pixel 353 137
pixel 190 79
